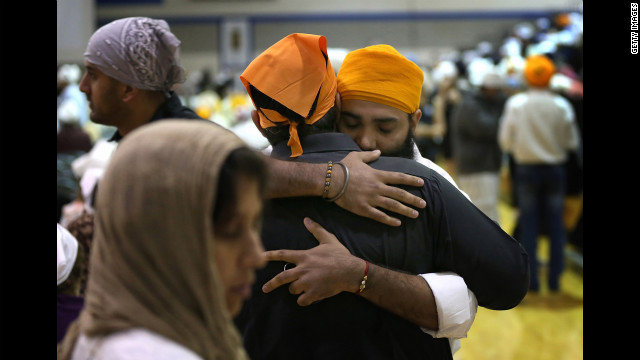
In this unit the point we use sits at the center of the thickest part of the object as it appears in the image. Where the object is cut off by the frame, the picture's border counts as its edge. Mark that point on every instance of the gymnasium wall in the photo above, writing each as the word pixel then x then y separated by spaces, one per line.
pixel 219 34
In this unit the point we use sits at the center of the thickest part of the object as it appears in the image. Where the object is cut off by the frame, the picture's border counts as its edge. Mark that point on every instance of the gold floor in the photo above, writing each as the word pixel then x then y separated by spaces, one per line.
pixel 542 327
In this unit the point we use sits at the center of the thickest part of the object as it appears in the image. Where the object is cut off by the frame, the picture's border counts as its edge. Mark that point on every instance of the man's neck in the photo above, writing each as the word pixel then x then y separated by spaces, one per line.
pixel 142 112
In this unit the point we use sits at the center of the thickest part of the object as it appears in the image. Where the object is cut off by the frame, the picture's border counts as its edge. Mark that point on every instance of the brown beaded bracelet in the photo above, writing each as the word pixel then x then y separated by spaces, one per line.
pixel 327 180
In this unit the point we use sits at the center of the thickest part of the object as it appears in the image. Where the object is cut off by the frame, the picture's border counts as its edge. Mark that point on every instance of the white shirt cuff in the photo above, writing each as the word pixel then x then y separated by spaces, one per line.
pixel 455 303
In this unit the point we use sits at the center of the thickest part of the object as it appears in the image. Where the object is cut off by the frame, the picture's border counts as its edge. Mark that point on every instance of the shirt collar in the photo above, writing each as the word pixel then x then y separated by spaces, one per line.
pixel 316 143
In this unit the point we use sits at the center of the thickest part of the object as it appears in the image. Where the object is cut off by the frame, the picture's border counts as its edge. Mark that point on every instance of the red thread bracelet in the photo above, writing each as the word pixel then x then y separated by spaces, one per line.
pixel 364 279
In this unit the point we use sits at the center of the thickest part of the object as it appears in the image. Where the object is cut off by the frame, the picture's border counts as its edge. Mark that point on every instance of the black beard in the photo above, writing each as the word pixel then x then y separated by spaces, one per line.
pixel 405 150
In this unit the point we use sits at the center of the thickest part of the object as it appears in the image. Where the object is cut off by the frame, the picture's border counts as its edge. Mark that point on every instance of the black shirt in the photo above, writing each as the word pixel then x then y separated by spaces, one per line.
pixel 450 234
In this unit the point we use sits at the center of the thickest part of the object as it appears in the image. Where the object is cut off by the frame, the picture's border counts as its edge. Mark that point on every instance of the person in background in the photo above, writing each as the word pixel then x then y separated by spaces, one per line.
pixel 69 76
pixel 445 98
pixel 474 133
pixel 72 138
pixel 176 246
pixel 71 266
pixel 361 285
pixel 538 129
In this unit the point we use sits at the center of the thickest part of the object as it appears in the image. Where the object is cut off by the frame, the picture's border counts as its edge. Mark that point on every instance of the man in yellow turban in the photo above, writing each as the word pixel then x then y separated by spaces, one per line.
pixel 385 88
pixel 380 91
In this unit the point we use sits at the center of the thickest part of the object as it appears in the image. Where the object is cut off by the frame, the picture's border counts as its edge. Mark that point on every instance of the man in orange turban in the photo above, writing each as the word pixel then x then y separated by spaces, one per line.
pixel 308 95
pixel 538 70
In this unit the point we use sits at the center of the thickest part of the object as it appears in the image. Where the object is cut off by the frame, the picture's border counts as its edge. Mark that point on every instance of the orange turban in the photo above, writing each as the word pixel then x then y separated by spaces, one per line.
pixel 538 70
pixel 380 74
pixel 295 72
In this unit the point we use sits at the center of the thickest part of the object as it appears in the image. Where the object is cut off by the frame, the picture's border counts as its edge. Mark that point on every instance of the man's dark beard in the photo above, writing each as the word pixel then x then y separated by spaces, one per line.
pixel 405 149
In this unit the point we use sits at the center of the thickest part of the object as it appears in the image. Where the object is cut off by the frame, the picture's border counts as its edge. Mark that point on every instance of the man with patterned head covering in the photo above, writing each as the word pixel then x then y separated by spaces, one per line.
pixel 132 65
pixel 356 295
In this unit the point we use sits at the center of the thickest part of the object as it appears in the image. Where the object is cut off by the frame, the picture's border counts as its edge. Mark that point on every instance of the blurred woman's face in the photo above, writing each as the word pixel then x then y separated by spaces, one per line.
pixel 238 247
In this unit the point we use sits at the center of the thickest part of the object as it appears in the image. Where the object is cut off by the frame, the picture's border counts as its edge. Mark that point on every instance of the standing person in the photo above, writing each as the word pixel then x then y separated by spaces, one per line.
pixel 176 246
pixel 374 117
pixel 132 63
pixel 538 129
pixel 378 262
pixel 68 90
pixel 72 138
pixel 71 266
pixel 446 97
pixel 474 133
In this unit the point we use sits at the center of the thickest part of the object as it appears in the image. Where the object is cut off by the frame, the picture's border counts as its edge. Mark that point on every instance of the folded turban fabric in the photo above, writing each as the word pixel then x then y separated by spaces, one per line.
pixel 380 74
pixel 295 72
pixel 137 51
pixel 538 70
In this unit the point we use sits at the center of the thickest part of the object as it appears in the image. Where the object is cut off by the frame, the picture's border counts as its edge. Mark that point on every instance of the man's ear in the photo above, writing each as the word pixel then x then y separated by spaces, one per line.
pixel 129 93
pixel 338 106
pixel 256 121
pixel 415 118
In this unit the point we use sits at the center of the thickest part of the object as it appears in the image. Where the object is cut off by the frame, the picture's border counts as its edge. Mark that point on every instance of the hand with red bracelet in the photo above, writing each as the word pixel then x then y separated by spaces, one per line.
pixel 320 272
pixel 329 269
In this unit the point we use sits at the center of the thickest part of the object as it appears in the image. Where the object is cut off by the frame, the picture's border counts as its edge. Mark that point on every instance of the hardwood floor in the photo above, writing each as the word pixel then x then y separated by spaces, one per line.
pixel 542 327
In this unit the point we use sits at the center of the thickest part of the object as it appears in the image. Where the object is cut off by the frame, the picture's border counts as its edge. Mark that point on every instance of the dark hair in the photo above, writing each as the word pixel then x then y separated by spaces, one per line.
pixel 242 162
pixel 277 134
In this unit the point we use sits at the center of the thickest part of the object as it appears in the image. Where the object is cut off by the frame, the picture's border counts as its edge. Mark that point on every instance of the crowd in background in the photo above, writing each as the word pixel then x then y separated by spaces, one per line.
pixel 456 76
pixel 465 92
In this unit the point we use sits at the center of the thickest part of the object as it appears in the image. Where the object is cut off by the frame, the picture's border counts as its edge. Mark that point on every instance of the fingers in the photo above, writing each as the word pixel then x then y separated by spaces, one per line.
pixel 295 287
pixel 397 207
pixel 367 156
pixel 391 177
pixel 397 200
pixel 291 256
pixel 282 278
pixel 320 233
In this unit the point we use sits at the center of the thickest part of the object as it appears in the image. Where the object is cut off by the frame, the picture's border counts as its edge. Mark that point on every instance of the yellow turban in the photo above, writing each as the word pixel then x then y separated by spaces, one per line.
pixel 380 74
pixel 294 72
pixel 538 70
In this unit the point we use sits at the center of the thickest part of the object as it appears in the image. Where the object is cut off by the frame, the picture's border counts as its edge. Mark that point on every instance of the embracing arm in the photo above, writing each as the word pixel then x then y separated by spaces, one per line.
pixel 367 192
pixel 329 269
pixel 493 264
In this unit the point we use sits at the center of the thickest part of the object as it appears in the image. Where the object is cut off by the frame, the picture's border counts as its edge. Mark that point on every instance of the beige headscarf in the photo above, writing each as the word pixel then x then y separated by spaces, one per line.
pixel 152 262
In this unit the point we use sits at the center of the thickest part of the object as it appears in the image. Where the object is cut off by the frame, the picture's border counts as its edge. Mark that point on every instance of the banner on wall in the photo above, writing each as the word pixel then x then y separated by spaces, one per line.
pixel 235 43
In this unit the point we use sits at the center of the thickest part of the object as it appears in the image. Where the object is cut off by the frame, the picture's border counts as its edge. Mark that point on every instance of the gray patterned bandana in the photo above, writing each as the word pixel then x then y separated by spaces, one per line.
pixel 137 51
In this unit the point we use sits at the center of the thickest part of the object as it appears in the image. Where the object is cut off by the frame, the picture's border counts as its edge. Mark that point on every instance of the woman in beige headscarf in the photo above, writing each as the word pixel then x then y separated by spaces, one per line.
pixel 176 245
